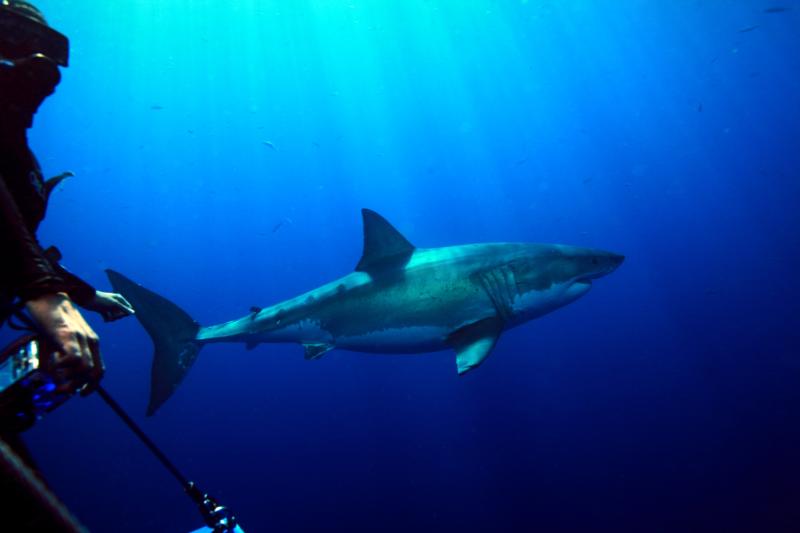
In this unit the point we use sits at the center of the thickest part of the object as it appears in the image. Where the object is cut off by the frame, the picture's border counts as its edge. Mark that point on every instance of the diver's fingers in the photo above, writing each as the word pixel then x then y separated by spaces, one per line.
pixel 87 338
pixel 72 351
pixel 75 357
pixel 87 360
pixel 126 306
pixel 97 370
pixel 116 306
pixel 67 371
pixel 65 357
pixel 115 314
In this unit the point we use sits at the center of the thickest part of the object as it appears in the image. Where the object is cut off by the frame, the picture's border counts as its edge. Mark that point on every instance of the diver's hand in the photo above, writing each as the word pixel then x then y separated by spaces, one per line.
pixel 75 360
pixel 110 305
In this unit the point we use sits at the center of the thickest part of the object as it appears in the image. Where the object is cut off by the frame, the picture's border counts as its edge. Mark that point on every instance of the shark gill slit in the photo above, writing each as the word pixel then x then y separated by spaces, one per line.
pixel 492 283
pixel 509 284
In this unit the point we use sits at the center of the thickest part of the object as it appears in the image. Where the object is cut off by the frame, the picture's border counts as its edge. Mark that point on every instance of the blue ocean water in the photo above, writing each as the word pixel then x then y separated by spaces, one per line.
pixel 222 151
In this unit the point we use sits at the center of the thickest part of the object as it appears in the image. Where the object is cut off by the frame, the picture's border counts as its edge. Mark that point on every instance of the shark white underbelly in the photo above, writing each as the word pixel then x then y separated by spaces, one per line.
pixel 403 339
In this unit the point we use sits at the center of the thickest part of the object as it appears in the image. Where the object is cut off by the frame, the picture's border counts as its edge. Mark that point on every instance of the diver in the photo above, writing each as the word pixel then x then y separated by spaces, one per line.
pixel 33 284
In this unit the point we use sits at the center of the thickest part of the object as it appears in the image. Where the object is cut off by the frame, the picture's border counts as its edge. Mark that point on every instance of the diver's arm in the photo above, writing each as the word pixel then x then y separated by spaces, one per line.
pixel 111 306
pixel 25 271
pixel 32 273
pixel 79 291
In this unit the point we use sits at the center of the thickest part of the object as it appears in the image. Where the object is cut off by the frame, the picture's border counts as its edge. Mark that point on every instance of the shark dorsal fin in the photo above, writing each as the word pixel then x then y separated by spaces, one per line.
pixel 384 246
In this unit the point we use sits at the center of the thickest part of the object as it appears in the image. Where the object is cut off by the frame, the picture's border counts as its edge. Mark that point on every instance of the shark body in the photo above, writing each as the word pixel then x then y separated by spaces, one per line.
pixel 400 299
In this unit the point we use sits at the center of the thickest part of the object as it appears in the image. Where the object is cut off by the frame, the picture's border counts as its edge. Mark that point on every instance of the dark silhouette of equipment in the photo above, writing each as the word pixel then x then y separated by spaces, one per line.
pixel 27 393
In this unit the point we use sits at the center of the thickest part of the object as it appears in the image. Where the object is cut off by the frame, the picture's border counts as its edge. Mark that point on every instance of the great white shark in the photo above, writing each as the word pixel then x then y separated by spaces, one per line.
pixel 399 299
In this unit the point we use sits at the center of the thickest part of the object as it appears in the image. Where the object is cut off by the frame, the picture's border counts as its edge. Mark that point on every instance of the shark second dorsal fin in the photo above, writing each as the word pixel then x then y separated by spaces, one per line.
pixel 384 246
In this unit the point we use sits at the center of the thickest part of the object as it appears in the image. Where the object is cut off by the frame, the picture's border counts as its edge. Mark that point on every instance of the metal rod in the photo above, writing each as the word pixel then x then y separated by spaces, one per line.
pixel 214 515
pixel 185 483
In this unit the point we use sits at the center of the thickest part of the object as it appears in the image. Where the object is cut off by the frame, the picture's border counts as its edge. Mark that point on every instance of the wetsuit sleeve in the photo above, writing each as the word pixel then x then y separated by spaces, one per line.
pixel 79 291
pixel 25 271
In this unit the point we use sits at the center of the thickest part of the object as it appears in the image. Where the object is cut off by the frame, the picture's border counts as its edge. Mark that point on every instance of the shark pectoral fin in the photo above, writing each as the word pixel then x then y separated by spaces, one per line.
pixel 316 350
pixel 474 343
pixel 474 354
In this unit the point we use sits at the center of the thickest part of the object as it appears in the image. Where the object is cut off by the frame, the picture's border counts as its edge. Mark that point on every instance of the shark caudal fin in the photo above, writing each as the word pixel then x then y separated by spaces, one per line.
pixel 173 333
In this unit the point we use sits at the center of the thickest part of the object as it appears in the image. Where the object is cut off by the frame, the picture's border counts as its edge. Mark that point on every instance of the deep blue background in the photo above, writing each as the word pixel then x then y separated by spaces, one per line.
pixel 665 400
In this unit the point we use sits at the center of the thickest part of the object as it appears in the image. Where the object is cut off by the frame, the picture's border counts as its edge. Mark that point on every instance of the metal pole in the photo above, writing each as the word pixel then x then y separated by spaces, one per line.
pixel 144 438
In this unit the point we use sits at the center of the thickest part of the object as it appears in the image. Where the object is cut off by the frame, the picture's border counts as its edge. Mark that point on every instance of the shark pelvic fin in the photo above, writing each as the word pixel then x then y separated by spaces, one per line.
pixel 316 350
pixel 384 246
pixel 474 343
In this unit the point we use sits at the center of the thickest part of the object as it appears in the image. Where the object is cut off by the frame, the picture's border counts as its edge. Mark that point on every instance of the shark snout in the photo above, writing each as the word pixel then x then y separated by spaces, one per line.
pixel 597 264
pixel 610 262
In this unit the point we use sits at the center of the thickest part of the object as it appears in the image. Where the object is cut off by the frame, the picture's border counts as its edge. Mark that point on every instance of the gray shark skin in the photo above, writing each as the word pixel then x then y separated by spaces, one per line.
pixel 400 299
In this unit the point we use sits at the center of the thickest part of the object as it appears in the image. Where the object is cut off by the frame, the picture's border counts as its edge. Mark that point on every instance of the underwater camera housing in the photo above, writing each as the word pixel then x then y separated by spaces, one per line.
pixel 26 392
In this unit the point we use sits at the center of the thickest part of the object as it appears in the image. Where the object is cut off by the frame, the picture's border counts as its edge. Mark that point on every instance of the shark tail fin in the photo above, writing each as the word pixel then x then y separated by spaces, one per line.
pixel 173 333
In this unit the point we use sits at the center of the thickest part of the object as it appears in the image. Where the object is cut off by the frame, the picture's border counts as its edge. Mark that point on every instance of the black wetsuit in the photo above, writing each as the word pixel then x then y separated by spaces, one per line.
pixel 26 270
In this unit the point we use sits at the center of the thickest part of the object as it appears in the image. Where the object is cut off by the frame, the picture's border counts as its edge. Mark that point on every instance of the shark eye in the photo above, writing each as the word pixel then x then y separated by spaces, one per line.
pixel 594 260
